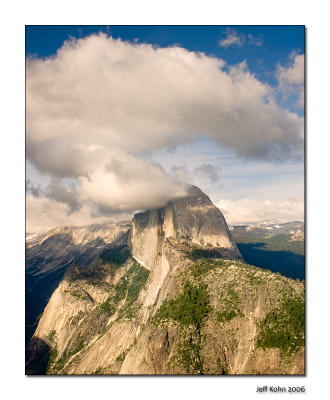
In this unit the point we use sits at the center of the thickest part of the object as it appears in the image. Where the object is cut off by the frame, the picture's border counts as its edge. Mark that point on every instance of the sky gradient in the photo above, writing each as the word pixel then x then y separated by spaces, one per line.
pixel 114 125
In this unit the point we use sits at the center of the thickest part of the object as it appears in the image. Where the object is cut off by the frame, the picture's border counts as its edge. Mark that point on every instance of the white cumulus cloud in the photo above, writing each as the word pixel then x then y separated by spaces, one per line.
pixel 291 78
pixel 246 211
pixel 44 213
pixel 97 108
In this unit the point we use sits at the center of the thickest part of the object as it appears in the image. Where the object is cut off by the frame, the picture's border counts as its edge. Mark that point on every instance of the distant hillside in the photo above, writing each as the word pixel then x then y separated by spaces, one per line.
pixel 278 247
pixel 171 295
pixel 48 255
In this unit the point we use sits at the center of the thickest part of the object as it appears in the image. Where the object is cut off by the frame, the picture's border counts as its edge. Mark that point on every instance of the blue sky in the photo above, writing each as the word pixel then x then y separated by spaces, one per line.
pixel 234 176
pixel 277 41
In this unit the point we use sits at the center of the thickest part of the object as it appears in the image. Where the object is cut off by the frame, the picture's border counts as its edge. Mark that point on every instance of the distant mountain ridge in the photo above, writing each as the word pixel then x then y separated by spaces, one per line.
pixel 278 247
pixel 48 255
pixel 270 228
pixel 192 218
pixel 167 294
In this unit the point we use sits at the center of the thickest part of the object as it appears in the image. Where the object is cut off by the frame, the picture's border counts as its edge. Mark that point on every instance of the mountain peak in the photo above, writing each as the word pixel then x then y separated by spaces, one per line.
pixel 192 218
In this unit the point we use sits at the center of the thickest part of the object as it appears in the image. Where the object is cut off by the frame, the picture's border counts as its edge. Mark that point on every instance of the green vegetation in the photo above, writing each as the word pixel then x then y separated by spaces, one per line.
pixel 284 241
pixel 95 322
pixel 189 356
pixel 202 266
pixel 189 308
pixel 127 312
pixel 131 283
pixel 51 336
pixel 199 252
pixel 200 269
pixel 121 356
pixel 79 346
pixel 226 316
pixel 79 294
pixel 229 299
pixel 107 308
pixel 53 353
pixel 52 358
pixel 139 276
pixel 222 369
pixel 232 297
pixel 279 253
pixel 196 252
pixel 77 318
pixel 278 242
pixel 116 256
pixel 60 363
pixel 121 289
pixel 284 327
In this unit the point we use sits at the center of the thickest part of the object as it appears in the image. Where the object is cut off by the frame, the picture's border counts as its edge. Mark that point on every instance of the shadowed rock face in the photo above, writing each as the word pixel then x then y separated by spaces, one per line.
pixel 192 218
pixel 37 356
pixel 49 255
pixel 170 296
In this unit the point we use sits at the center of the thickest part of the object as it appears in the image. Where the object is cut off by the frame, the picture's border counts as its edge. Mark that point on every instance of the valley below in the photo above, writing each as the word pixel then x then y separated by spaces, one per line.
pixel 278 247
pixel 174 292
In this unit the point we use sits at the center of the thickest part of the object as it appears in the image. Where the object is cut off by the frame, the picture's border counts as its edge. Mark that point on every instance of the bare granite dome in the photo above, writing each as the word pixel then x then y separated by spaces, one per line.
pixel 169 306
pixel 193 218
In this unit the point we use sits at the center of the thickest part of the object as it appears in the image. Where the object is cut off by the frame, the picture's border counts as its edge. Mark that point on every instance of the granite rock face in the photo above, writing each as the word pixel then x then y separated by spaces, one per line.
pixel 49 255
pixel 171 296
pixel 193 219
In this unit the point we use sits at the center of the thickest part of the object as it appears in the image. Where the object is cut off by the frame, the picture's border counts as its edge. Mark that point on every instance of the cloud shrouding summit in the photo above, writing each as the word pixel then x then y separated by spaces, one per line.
pixel 100 105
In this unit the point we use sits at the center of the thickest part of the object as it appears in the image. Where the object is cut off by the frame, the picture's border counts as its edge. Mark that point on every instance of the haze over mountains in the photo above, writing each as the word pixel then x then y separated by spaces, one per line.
pixel 168 293
pixel 271 228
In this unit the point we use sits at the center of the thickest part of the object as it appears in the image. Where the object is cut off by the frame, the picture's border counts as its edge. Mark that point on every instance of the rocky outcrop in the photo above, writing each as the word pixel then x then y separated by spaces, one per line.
pixel 172 296
pixel 49 255
pixel 192 218
pixel 213 320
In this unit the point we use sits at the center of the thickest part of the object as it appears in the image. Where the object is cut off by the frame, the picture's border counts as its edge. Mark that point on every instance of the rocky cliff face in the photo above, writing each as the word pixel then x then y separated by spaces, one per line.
pixel 49 255
pixel 172 297
pixel 192 218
